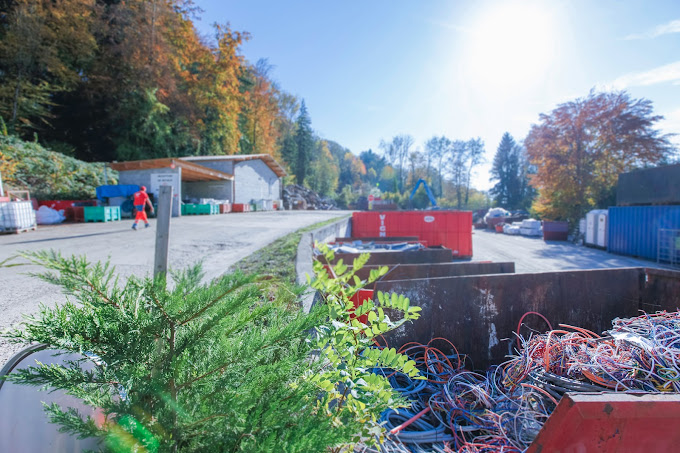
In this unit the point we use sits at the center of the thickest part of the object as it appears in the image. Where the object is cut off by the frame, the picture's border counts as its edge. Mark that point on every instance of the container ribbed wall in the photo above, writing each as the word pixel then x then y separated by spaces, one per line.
pixel 452 229
pixel 634 230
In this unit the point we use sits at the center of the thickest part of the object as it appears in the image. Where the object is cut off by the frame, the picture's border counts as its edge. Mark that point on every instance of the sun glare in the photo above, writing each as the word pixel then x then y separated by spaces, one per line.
pixel 510 45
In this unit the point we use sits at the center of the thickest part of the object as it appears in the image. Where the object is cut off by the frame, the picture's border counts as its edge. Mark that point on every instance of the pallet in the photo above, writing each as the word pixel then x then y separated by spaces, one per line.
pixel 17 230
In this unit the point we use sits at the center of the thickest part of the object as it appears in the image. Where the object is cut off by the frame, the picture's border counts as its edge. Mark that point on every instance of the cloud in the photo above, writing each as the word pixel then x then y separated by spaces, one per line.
pixel 671 124
pixel 664 29
pixel 449 26
pixel 662 74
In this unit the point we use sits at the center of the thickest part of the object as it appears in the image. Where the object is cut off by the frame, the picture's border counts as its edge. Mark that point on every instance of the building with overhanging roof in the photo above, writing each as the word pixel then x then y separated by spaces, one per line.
pixel 237 178
pixel 256 176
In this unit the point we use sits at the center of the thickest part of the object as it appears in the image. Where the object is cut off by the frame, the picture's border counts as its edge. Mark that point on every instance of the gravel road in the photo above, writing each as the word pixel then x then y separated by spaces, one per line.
pixel 220 241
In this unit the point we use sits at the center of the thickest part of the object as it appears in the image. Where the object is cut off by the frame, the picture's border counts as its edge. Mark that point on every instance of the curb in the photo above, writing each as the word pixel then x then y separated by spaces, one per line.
pixel 304 257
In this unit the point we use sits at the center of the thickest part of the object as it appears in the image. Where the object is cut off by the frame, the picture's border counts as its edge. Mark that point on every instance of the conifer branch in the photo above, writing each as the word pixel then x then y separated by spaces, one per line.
pixel 203 420
pixel 160 307
pixel 204 375
pixel 209 305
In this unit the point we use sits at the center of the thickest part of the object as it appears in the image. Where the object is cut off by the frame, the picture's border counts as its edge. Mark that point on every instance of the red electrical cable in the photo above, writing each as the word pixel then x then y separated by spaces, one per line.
pixel 519 324
pixel 409 421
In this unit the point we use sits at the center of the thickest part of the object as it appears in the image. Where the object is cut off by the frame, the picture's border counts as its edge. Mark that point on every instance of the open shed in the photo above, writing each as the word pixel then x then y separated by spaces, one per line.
pixel 256 176
pixel 187 179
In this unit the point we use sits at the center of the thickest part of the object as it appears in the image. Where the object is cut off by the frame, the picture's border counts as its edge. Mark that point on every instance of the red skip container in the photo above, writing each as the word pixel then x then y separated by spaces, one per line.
pixel 451 229
pixel 358 299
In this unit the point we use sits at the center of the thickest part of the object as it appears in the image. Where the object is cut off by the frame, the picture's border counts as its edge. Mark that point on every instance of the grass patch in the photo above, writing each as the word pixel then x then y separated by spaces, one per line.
pixel 278 258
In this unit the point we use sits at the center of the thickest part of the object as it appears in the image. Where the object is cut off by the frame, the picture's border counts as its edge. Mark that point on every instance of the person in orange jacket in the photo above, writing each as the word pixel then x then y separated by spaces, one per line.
pixel 141 199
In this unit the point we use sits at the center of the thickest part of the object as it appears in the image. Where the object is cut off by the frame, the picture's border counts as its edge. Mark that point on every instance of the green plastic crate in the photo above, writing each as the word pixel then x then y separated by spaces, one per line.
pixel 200 209
pixel 101 213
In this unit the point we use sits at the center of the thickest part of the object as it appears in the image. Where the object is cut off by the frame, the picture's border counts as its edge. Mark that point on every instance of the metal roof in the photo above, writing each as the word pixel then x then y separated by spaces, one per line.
pixel 266 158
pixel 190 172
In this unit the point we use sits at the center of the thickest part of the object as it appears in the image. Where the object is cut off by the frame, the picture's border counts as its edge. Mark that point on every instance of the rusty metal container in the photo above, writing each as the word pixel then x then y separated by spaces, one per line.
pixel 427 255
pixel 479 313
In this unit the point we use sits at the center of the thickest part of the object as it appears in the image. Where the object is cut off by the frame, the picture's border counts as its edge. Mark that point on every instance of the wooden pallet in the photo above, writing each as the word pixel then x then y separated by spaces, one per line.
pixel 17 230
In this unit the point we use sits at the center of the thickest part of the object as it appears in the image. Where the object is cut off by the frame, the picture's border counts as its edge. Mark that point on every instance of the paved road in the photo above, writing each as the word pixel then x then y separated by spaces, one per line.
pixel 220 241
pixel 536 255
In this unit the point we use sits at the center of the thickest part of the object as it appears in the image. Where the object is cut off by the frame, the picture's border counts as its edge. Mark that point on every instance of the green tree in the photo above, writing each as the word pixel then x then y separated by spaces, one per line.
pixel 304 141
pixel 323 173
pixel 352 171
pixel 511 170
pixel 289 153
pixel 201 367
pixel 475 156
pixel 437 150
pixel 397 151
pixel 372 161
pixel 457 165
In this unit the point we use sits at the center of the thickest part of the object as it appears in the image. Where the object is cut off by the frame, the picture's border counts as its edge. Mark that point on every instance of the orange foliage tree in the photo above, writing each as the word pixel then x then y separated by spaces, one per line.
pixel 580 148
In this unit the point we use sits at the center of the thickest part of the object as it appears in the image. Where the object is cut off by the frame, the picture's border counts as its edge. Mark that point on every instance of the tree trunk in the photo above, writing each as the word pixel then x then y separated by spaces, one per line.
pixel 15 102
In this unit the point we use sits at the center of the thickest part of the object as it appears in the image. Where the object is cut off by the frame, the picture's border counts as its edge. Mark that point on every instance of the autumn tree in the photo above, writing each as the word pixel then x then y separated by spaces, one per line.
pixel 374 164
pixel 352 171
pixel 580 148
pixel 260 111
pixel 417 167
pixel 288 110
pixel 46 46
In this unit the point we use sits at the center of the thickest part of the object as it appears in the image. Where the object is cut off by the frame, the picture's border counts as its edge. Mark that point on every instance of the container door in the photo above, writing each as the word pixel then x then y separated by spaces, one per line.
pixel 602 230
pixel 591 228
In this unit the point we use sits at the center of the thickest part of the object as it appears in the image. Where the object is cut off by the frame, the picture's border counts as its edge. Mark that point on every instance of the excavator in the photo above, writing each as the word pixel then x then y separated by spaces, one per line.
pixel 427 191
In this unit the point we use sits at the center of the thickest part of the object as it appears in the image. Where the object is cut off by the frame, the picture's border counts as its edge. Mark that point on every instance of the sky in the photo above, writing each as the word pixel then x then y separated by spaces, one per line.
pixel 370 70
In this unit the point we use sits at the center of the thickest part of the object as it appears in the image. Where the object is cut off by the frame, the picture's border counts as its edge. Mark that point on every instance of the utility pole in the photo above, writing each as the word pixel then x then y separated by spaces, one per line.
pixel 163 214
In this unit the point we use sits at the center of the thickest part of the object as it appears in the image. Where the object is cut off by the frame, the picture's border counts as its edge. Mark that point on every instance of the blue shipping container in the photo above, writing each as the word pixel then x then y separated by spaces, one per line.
pixel 634 230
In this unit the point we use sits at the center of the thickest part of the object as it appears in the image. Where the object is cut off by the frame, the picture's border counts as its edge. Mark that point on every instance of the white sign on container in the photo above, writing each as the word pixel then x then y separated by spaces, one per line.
pixel 167 179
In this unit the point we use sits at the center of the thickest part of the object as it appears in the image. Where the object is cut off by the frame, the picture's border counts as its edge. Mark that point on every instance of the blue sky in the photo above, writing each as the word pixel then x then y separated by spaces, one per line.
pixel 369 70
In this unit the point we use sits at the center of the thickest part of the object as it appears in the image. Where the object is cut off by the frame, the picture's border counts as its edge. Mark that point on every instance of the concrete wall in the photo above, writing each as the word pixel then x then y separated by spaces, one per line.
pixel 254 180
pixel 303 260
pixel 225 166
pixel 143 178
pixel 219 190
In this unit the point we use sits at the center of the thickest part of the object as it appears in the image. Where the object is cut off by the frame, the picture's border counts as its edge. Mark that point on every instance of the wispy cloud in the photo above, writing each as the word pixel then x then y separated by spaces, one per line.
pixel 448 25
pixel 671 124
pixel 664 29
pixel 669 73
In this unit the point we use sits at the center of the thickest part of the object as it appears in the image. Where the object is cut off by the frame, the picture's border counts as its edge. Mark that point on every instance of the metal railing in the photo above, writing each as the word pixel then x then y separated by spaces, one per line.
pixel 669 247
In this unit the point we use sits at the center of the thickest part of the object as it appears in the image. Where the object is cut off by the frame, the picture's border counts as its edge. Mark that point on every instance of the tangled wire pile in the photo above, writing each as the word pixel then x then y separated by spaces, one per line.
pixel 641 353
pixel 456 410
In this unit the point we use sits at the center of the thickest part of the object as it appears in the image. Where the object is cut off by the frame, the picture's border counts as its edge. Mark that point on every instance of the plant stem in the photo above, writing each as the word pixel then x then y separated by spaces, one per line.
pixel 173 388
